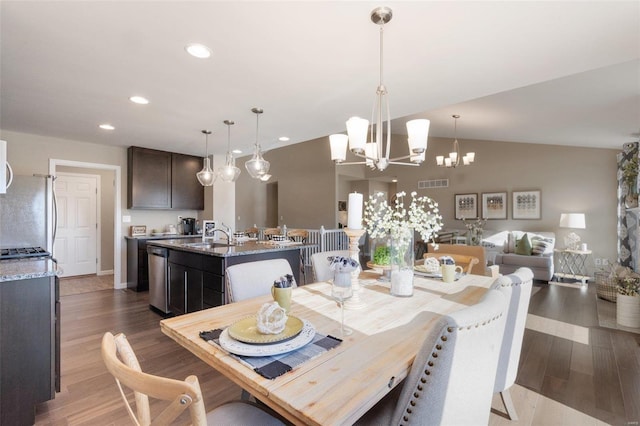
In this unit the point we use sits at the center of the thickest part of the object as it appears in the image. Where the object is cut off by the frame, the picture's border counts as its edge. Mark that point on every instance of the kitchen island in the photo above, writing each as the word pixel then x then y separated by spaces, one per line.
pixel 29 337
pixel 196 269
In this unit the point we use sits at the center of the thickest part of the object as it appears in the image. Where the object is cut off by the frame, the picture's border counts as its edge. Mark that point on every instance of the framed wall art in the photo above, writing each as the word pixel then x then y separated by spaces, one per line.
pixel 526 205
pixel 208 229
pixel 466 206
pixel 494 205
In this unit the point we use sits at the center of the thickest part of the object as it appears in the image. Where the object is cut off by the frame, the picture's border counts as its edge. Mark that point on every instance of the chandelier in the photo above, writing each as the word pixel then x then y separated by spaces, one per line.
pixel 453 160
pixel 206 176
pixel 229 172
pixel 257 166
pixel 376 153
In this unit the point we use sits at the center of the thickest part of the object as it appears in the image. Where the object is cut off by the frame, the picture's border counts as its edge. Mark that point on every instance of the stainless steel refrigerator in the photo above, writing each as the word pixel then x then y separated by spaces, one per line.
pixel 27 213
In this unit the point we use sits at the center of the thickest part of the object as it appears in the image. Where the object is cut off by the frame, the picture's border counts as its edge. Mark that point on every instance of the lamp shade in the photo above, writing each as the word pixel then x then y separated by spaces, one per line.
pixel 572 220
pixel 206 176
pixel 338 145
pixel 357 130
pixel 418 131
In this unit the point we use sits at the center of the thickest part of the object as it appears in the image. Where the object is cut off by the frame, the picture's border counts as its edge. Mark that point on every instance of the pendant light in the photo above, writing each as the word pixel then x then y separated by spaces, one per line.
pixel 229 172
pixel 257 166
pixel 206 176
pixel 453 160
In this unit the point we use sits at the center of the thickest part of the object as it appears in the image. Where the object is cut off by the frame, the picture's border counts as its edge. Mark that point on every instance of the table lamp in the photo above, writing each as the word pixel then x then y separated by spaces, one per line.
pixel 573 221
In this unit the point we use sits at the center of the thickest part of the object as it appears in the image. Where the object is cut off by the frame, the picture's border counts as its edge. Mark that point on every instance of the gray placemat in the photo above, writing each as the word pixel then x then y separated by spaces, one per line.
pixel 273 366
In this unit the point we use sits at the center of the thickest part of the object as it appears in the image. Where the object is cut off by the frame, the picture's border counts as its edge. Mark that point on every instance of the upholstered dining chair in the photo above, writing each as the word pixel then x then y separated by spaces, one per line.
pixel 467 262
pixel 123 364
pixel 516 288
pixel 320 264
pixel 451 379
pixel 252 279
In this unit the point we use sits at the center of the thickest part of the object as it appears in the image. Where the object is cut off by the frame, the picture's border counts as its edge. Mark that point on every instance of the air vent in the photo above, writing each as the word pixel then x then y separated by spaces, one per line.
pixel 433 183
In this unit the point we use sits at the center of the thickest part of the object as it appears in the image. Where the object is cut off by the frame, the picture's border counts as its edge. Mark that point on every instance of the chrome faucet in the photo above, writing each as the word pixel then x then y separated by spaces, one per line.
pixel 225 233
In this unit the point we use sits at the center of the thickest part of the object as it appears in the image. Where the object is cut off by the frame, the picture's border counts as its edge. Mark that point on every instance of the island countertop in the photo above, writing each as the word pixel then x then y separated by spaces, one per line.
pixel 221 249
pixel 23 269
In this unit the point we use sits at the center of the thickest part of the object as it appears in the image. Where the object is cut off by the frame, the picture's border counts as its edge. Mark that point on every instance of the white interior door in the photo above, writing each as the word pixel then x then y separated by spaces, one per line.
pixel 75 246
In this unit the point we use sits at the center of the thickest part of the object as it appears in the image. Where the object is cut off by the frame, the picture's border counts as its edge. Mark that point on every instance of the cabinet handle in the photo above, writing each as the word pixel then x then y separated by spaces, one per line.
pixel 185 292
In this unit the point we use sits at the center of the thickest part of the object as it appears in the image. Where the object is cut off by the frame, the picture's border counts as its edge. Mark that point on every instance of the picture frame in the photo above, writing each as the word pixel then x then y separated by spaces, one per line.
pixel 137 230
pixel 342 206
pixel 466 206
pixel 526 204
pixel 208 229
pixel 494 205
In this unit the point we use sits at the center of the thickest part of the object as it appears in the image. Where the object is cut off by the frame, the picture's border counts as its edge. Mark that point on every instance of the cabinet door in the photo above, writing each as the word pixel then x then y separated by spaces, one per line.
pixel 177 288
pixel 194 290
pixel 149 179
pixel 186 191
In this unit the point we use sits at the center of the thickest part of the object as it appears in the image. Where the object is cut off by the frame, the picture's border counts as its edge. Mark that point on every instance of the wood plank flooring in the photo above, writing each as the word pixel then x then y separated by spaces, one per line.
pixel 560 381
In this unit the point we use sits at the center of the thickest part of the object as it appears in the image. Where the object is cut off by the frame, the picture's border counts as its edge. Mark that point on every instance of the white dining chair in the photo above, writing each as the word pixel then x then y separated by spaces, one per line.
pixel 516 288
pixel 122 363
pixel 320 264
pixel 451 379
pixel 253 279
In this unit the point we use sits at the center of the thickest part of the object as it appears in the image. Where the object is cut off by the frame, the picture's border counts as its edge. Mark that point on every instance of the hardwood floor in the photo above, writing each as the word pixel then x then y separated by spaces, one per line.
pixel 571 370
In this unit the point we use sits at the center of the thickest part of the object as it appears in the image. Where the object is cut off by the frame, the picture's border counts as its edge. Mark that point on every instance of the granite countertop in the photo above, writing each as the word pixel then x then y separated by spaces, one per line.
pixel 23 269
pixel 161 237
pixel 221 249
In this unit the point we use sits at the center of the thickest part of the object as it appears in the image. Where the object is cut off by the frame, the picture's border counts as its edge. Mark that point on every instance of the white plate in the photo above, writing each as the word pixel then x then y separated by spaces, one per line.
pixel 246 349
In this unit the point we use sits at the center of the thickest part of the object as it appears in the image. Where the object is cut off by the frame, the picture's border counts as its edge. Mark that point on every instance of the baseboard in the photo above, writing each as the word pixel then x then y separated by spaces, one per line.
pixel 121 286
pixel 107 272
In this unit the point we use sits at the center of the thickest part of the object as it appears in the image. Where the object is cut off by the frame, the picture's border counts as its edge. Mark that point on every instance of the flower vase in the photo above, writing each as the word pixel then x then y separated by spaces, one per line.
pixel 402 259
pixel 474 237
pixel 631 199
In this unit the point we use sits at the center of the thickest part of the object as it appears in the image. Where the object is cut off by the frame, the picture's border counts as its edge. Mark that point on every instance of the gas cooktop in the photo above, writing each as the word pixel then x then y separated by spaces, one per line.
pixel 23 252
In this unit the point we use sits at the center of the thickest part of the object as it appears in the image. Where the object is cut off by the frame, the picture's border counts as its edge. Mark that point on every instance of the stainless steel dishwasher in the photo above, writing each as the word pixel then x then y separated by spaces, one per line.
pixel 158 280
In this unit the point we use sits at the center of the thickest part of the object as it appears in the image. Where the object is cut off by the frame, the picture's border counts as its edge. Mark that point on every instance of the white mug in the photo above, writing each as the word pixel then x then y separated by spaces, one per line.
pixel 449 272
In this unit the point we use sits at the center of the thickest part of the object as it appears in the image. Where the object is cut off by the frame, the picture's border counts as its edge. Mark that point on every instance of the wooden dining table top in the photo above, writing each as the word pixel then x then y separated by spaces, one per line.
pixel 342 384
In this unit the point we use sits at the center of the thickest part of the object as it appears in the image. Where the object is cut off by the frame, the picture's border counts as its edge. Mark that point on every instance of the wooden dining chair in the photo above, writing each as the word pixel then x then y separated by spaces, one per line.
pixel 451 379
pixel 252 232
pixel 475 251
pixel 270 232
pixel 320 264
pixel 298 235
pixel 467 262
pixel 516 288
pixel 253 279
pixel 123 364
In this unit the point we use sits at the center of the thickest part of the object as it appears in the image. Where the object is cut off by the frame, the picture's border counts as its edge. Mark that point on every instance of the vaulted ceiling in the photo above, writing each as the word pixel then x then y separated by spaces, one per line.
pixel 565 73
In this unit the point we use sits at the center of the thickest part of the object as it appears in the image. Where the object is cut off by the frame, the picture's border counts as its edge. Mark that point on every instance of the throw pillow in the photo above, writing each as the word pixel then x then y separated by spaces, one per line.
pixel 539 245
pixel 523 246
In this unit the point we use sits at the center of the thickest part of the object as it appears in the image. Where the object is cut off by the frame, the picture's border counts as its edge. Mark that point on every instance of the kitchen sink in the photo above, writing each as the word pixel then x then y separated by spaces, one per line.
pixel 206 245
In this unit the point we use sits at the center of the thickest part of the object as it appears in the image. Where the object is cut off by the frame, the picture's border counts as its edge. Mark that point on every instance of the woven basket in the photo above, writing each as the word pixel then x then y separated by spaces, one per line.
pixel 605 287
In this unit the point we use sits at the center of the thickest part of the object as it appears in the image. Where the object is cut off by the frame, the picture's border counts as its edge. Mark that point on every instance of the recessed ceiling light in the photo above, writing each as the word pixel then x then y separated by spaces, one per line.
pixel 106 127
pixel 139 100
pixel 198 50
pixel 237 151
pixel 394 180
pixel 283 139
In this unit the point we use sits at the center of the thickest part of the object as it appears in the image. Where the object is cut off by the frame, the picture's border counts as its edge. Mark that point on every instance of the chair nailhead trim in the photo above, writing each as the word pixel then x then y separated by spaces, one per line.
pixel 435 355
pixel 430 363
pixel 443 338
pixel 438 347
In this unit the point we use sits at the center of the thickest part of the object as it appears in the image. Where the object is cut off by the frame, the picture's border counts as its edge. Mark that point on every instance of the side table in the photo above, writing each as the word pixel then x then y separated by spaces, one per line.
pixel 572 264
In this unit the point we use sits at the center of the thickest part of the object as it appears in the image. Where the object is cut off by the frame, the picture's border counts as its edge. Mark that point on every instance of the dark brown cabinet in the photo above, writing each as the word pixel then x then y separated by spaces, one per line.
pixel 193 284
pixel 29 369
pixel 163 180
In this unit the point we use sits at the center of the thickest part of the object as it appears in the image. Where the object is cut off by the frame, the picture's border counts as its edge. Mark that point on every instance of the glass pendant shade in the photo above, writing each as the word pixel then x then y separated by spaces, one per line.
pixel 418 131
pixel 257 166
pixel 229 172
pixel 357 130
pixel 206 176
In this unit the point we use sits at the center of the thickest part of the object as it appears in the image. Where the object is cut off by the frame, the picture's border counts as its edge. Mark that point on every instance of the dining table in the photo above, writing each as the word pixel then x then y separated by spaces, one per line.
pixel 340 384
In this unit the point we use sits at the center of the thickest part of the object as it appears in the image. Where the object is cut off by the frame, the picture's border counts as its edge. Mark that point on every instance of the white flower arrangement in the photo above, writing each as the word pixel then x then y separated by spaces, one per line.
pixel 423 216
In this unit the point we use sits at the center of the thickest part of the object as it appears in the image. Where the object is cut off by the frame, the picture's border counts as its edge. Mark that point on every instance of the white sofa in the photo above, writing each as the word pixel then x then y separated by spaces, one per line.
pixel 501 253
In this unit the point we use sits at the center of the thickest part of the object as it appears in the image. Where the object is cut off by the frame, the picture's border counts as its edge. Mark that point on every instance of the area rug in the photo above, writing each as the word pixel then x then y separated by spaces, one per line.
pixel 85 284
pixel 607 316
